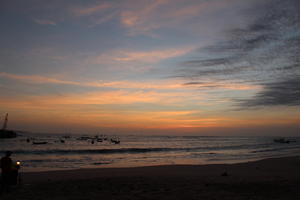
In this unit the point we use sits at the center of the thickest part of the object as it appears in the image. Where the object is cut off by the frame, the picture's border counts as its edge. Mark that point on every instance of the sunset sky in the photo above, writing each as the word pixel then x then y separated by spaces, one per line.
pixel 206 67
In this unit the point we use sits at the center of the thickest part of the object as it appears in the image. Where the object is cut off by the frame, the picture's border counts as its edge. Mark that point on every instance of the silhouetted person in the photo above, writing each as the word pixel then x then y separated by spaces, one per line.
pixel 6 166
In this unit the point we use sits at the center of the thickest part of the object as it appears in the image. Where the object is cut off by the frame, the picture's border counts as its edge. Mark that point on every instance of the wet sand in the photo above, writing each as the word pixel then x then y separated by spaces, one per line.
pixel 275 178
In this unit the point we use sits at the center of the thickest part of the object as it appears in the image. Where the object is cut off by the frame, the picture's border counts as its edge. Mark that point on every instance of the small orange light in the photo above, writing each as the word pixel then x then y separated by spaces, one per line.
pixel 18 163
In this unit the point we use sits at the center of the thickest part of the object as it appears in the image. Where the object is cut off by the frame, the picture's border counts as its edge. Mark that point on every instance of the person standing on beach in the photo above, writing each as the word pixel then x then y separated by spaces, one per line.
pixel 5 165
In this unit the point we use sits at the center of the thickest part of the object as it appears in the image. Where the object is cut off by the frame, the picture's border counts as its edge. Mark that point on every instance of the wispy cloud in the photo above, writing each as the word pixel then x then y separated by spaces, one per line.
pixel 125 84
pixel 116 97
pixel 94 14
pixel 138 15
pixel 90 9
pixel 223 85
pixel 137 60
pixel 36 79
pixel 44 22
pixel 146 17
pixel 151 56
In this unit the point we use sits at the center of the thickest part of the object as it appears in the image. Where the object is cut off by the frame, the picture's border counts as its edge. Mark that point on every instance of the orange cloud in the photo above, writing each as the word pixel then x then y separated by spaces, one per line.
pixel 151 56
pixel 53 102
pixel 122 56
pixel 157 84
pixel 138 15
pixel 36 79
pixel 154 84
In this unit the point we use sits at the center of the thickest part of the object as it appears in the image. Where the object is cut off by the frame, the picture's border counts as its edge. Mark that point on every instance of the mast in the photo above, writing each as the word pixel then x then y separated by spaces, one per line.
pixel 5 122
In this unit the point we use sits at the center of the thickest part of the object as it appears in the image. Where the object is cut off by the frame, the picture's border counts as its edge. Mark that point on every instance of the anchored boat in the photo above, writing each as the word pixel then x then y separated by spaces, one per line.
pixel 281 140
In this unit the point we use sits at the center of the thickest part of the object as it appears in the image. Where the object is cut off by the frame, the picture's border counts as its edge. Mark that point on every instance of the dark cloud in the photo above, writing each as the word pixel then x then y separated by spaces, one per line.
pixel 194 83
pixel 266 51
pixel 208 62
pixel 286 92
pixel 202 85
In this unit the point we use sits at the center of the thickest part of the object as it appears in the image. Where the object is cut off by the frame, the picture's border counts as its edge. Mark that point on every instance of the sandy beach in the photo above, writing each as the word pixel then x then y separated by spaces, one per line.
pixel 275 178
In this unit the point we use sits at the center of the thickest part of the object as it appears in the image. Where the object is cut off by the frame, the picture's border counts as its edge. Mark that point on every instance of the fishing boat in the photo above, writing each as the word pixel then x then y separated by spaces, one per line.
pixel 281 140
pixel 4 133
pixel 115 141
pixel 38 143
pixel 84 138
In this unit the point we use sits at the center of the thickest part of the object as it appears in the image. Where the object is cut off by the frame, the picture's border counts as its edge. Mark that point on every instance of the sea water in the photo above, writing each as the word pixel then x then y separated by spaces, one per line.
pixel 74 152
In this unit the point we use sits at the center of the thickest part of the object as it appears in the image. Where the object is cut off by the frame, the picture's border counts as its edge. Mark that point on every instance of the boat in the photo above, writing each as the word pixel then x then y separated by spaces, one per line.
pixel 281 140
pixel 38 143
pixel 84 138
pixel 115 141
pixel 4 133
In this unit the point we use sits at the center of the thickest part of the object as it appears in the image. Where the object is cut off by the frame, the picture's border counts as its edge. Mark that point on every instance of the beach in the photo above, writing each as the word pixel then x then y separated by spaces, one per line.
pixel 274 178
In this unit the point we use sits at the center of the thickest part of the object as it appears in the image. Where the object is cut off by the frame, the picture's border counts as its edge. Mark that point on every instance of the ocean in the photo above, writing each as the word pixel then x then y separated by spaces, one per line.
pixel 77 151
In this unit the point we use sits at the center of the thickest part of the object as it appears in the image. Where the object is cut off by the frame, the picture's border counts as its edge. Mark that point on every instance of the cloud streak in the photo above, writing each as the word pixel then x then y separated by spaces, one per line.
pixel 136 60
pixel 44 22
pixel 91 9
pixel 36 79
pixel 151 56
pixel 154 84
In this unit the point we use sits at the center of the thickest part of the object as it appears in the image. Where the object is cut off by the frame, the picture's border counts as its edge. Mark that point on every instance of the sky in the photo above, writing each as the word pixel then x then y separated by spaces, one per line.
pixel 190 67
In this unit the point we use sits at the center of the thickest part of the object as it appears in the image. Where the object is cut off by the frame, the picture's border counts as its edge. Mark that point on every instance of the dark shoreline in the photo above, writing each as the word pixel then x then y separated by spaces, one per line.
pixel 274 178
pixel 41 176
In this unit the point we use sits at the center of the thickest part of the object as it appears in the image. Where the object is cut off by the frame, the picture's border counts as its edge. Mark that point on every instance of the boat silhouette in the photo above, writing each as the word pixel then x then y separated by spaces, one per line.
pixel 281 140
pixel 4 133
